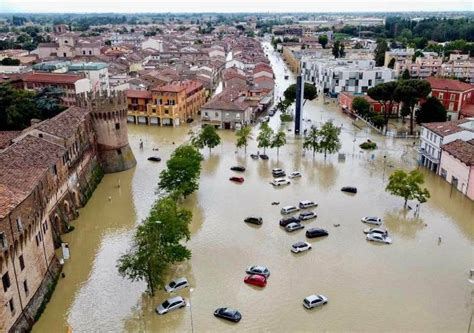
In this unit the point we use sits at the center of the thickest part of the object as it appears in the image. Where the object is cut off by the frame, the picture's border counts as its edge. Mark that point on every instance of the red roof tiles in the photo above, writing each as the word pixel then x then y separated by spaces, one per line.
pixel 51 78
pixel 448 84
pixel 462 150
pixel 139 94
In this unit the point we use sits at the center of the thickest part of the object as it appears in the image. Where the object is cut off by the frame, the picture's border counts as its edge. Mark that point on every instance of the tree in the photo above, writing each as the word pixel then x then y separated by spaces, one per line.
pixel 380 50
pixel 361 106
pixel 311 140
pixel 309 93
pixel 338 49
pixel 384 94
pixel 243 136
pixel 182 171
pixel 410 92
pixel 406 75
pixel 408 186
pixel 278 140
pixel 358 46
pixel 432 110
pixel 10 62
pixel 329 141
pixel 157 244
pixel 391 64
pixel 264 137
pixel 323 40
pixel 207 137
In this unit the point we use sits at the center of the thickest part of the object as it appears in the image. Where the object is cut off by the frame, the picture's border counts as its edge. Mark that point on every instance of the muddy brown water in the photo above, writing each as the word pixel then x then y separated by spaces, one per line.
pixel 415 284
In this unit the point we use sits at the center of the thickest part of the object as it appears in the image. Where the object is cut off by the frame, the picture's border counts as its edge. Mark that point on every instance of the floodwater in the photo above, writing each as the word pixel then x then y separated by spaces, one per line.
pixel 414 284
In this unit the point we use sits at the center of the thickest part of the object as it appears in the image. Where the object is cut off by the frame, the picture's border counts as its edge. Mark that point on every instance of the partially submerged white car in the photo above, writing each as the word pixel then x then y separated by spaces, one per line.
pixel 177 284
pixel 295 174
pixel 372 220
pixel 314 301
pixel 375 237
pixel 280 181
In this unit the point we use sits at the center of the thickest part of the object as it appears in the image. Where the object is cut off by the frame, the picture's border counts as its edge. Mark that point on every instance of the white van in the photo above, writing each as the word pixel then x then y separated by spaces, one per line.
pixel 289 209
pixel 307 203
pixel 280 181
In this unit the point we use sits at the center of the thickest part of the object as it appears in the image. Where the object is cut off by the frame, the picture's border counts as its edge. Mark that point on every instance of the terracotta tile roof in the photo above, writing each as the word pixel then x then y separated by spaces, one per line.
pixel 446 128
pixel 462 150
pixel 448 84
pixel 6 138
pixel 139 94
pixel 65 124
pixel 229 100
pixel 170 88
pixel 22 165
pixel 51 78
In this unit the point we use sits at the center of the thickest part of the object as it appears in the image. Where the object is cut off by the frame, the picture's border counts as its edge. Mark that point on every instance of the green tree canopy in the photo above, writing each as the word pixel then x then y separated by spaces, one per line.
pixel 380 50
pixel 264 138
pixel 309 93
pixel 278 140
pixel 407 186
pixel 338 49
pixel 157 244
pixel 406 75
pixel 384 93
pixel 361 106
pixel 243 136
pixel 391 63
pixel 207 137
pixel 324 140
pixel 323 40
pixel 311 140
pixel 432 110
pixel 410 92
pixel 182 172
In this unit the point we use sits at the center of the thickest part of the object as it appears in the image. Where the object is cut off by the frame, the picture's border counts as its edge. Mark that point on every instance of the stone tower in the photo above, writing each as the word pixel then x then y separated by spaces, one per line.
pixel 109 120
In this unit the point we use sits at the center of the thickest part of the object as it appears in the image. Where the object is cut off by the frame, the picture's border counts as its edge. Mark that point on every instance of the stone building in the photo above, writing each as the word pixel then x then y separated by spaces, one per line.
pixel 47 172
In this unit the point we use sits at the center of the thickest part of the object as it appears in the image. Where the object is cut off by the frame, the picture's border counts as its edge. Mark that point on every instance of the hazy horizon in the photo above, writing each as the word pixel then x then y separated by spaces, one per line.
pixel 243 6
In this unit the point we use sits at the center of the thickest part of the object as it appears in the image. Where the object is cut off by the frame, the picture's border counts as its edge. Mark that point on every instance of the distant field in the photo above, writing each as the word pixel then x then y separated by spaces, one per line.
pixel 340 35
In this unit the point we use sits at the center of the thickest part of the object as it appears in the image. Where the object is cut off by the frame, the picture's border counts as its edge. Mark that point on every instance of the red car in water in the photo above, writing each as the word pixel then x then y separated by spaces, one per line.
pixel 256 280
pixel 237 179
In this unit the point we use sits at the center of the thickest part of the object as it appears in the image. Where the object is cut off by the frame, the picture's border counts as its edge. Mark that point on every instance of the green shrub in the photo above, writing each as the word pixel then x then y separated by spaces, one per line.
pixel 286 117
pixel 368 145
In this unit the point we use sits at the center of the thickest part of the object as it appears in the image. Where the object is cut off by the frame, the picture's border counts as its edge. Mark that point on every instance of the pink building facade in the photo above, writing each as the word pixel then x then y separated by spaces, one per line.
pixel 457 166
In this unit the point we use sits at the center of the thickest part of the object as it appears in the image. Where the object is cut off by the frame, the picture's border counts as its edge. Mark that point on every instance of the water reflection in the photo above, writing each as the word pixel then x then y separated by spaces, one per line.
pixel 402 222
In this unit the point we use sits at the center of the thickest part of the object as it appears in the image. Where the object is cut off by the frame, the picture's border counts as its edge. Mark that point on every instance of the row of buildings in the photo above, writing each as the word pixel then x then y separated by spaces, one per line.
pixel 448 150
pixel 47 172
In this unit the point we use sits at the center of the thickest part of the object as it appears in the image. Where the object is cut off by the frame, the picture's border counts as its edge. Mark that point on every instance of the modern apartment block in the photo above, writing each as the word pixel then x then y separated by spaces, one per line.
pixel 334 76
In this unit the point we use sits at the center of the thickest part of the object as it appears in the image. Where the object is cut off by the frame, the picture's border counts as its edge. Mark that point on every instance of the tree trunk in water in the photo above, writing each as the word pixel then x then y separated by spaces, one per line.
pixel 150 281
pixel 411 121
pixel 278 151
pixel 314 152
pixel 406 201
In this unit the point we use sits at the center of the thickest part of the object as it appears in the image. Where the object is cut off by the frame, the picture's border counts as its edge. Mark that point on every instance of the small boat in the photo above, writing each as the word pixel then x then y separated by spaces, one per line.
pixel 154 159
pixel 237 179
pixel 349 189
pixel 238 168
pixel 254 156
pixel 264 156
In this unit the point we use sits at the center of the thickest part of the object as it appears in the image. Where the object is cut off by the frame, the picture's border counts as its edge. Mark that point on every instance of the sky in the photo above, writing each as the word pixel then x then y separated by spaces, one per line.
pixel 225 6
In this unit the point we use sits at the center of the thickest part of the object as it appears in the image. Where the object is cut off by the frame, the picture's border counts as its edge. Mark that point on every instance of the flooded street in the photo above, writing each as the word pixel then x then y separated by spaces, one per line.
pixel 414 284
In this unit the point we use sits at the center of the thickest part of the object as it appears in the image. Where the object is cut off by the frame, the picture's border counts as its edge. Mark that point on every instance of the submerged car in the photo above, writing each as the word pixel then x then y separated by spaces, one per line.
pixel 375 237
pixel 372 220
pixel 238 168
pixel 307 204
pixel 259 270
pixel 278 173
pixel 254 220
pixel 171 304
pixel 254 156
pixel 316 232
pixel 288 220
pixel 376 230
pixel 314 301
pixel 293 227
pixel 154 159
pixel 288 210
pixel 349 189
pixel 300 247
pixel 177 284
pixel 228 314
pixel 280 181
pixel 237 179
pixel 295 174
pixel 307 216
pixel 264 156
pixel 256 280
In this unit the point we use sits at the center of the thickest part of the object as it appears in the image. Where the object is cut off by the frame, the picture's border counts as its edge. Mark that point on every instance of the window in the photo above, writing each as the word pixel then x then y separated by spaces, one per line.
pixel 117 126
pixel 454 181
pixel 90 52
pixel 25 287
pixel 443 173
pixel 217 114
pixel 55 170
pixel 452 97
pixel 84 52
pixel 64 54
pixel 19 225
pixel 22 262
pixel 119 151
pixel 440 96
pixel 3 241
pixel 12 306
pixel 40 135
pixel 6 281
pixel 45 226
pixel 37 240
